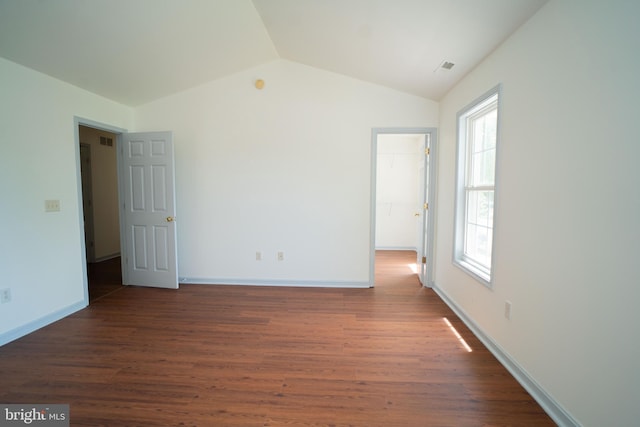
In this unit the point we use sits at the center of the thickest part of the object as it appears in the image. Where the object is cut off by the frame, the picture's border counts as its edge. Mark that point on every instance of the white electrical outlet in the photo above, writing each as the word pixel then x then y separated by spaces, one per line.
pixel 281 256
pixel 258 256
pixel 507 309
pixel 5 295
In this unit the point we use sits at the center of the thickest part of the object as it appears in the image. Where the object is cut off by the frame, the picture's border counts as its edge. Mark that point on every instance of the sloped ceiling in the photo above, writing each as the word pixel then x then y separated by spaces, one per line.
pixel 135 51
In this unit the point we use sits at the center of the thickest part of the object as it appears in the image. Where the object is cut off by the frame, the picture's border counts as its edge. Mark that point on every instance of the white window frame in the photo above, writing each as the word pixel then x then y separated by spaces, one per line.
pixel 482 271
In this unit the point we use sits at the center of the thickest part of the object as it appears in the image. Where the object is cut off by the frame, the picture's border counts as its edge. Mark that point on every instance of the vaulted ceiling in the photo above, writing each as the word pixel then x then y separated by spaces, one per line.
pixel 135 51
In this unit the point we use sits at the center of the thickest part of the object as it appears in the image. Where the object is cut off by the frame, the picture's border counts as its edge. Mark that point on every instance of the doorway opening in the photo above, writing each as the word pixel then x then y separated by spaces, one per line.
pixel 403 173
pixel 140 209
pixel 99 192
pixel 101 213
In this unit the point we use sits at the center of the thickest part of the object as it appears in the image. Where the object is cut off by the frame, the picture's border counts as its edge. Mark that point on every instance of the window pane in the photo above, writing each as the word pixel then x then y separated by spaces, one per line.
pixel 481 154
pixel 482 168
pixel 480 207
pixel 479 229
pixel 472 207
pixel 488 167
pixel 490 121
pixel 478 245
pixel 471 241
pixel 485 208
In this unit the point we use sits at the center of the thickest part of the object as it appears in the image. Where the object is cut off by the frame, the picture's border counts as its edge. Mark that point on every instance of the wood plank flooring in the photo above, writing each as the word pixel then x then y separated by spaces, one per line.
pixel 263 356
pixel 104 277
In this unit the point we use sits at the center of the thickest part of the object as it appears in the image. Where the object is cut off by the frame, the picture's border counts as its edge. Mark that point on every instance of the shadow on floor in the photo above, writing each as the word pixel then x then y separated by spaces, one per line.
pixel 104 277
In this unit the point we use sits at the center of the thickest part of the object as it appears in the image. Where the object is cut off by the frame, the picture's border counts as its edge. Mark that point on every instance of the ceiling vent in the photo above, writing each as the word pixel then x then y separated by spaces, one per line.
pixel 446 65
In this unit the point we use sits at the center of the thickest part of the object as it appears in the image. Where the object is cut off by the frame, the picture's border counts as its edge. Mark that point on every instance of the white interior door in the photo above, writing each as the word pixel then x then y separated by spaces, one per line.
pixel 425 251
pixel 421 208
pixel 149 224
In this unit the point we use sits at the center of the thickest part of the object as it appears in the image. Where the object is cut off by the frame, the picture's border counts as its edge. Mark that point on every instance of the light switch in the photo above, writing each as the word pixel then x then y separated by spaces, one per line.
pixel 52 205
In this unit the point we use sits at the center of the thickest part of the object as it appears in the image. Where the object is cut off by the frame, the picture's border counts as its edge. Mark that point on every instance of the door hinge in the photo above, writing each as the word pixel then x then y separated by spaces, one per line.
pixel 426 206
pixel 424 259
pixel 427 151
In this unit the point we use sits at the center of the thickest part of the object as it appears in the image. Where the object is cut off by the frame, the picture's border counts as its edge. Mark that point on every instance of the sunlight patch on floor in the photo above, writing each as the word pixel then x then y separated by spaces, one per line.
pixel 413 267
pixel 455 332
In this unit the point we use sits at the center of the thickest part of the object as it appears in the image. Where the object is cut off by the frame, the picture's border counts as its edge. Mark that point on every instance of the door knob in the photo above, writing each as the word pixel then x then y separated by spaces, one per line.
pixel 171 219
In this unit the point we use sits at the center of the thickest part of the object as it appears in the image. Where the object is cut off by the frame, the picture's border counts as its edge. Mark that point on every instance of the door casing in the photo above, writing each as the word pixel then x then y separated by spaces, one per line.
pixel 77 122
pixel 425 271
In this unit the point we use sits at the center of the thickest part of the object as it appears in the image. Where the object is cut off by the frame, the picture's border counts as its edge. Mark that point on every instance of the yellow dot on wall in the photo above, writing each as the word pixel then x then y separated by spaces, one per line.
pixel 259 84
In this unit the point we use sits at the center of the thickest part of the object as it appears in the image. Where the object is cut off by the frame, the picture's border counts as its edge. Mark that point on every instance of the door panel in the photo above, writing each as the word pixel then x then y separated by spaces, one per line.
pixel 422 184
pixel 149 210
pixel 425 254
pixel 423 177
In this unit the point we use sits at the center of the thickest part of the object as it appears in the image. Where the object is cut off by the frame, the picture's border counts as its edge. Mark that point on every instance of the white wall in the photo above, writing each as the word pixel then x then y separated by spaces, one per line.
pixel 41 253
pixel 398 191
pixel 104 182
pixel 567 209
pixel 286 168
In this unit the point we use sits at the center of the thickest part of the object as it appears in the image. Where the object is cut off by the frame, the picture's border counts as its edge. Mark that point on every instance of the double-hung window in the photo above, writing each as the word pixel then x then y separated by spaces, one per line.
pixel 475 186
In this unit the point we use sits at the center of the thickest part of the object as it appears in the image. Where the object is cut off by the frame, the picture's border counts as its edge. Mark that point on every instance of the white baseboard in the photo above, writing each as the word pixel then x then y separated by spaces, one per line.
pixel 275 282
pixel 26 329
pixel 396 248
pixel 559 415
pixel 107 257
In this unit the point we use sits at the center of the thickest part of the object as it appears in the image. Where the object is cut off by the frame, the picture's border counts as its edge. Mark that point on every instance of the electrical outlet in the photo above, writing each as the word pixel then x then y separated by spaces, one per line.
pixel 280 256
pixel 258 256
pixel 507 309
pixel 5 295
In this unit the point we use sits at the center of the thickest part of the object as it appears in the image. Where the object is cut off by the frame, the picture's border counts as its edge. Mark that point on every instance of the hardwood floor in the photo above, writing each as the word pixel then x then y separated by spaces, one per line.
pixel 263 356
pixel 104 277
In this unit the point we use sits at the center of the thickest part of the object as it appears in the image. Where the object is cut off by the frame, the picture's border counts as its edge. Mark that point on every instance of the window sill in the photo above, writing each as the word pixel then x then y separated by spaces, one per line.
pixel 479 274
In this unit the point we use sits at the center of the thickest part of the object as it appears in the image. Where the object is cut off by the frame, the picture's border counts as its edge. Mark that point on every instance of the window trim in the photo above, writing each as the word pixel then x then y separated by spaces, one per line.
pixel 476 270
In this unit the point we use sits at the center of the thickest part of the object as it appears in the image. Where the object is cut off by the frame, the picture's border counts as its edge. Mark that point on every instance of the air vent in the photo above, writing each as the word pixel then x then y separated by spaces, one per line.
pixel 106 141
pixel 444 67
pixel 447 65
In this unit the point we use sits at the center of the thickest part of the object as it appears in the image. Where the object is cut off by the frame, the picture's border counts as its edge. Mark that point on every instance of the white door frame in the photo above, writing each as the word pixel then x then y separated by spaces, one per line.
pixel 77 122
pixel 430 178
